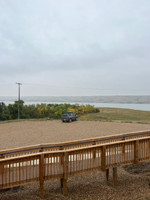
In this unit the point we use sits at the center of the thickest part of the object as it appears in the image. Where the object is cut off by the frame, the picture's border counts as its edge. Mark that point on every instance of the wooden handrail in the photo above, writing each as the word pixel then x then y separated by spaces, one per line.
pixel 74 149
pixel 74 143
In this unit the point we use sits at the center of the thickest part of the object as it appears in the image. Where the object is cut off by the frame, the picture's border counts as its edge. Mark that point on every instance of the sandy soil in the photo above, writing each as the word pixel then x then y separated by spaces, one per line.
pixel 27 133
pixel 88 186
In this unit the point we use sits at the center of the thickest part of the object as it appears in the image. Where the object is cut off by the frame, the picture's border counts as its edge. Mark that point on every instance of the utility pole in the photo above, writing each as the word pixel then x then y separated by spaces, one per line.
pixel 19 99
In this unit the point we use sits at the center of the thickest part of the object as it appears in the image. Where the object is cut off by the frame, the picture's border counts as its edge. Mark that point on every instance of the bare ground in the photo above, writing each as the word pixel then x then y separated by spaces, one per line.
pixel 88 186
pixel 27 133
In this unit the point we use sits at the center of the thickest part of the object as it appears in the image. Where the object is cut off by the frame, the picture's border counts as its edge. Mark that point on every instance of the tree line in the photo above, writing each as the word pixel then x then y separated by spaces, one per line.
pixel 51 111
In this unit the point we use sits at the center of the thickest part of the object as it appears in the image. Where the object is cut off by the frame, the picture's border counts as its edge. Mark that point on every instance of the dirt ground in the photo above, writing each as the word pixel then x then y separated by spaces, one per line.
pixel 131 186
pixel 25 133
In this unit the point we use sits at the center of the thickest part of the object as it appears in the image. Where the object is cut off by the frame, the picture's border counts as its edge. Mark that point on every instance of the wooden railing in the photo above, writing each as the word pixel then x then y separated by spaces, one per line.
pixel 62 164
pixel 71 144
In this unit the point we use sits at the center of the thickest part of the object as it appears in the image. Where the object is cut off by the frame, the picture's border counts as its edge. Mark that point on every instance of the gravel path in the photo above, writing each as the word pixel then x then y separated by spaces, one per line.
pixel 92 186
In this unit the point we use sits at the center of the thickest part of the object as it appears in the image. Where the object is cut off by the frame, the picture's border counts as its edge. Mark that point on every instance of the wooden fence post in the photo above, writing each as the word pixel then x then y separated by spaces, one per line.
pixel 2 168
pixel 107 174
pixel 61 157
pixel 103 158
pixel 65 175
pixel 136 151
pixel 149 149
pixel 61 162
pixel 123 146
pixel 94 151
pixel 41 175
pixel 114 174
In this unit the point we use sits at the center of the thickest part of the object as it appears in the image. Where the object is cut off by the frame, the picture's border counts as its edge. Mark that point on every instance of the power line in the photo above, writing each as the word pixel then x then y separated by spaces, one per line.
pixel 85 88
pixel 146 90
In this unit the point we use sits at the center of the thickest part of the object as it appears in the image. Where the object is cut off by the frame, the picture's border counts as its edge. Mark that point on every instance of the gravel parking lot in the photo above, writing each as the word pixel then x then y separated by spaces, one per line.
pixel 27 133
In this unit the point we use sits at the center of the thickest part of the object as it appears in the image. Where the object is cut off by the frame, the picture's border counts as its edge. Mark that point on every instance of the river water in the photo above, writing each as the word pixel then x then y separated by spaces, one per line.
pixel 145 107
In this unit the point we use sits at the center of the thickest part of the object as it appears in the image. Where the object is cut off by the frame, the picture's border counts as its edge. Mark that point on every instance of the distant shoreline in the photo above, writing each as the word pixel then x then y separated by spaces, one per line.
pixel 126 99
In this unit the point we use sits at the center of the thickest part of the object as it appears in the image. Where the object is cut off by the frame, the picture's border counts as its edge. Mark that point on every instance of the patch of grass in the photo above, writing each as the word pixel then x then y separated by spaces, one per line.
pixel 129 167
pixel 22 120
pixel 118 115
pixel 141 168
pixel 106 115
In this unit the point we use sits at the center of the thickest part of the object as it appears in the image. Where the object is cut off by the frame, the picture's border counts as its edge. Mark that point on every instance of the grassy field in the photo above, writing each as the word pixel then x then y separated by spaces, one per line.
pixel 118 115
pixel 106 115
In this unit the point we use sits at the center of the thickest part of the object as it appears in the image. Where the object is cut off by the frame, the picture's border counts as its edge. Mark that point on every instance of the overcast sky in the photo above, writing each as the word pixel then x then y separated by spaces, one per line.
pixel 75 47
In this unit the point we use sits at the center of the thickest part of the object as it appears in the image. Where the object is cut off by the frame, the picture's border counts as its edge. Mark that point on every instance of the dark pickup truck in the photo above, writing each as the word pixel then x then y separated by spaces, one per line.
pixel 69 117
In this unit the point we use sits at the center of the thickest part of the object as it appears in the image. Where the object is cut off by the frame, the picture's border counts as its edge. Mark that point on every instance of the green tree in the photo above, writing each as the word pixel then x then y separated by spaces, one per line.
pixel 4 112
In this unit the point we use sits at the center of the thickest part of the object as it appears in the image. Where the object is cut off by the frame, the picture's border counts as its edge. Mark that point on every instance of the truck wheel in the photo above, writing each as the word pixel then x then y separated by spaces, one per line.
pixel 70 120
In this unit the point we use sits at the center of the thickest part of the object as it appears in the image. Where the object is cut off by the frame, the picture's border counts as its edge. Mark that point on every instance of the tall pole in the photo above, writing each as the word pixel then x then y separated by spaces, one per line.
pixel 19 99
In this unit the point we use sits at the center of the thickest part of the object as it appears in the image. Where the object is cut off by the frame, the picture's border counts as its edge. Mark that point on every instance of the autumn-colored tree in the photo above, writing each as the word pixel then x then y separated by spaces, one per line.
pixel 53 111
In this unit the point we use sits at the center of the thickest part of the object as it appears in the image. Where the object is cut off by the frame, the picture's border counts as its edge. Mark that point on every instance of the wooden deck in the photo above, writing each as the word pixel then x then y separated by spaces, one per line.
pixel 42 166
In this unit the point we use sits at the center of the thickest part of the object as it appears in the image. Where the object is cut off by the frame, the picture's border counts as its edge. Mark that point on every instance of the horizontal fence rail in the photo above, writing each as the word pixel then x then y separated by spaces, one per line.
pixel 62 164
pixel 71 144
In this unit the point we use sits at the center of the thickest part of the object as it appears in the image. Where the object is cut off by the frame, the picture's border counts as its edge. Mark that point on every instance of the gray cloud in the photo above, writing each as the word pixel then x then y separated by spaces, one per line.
pixel 102 44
